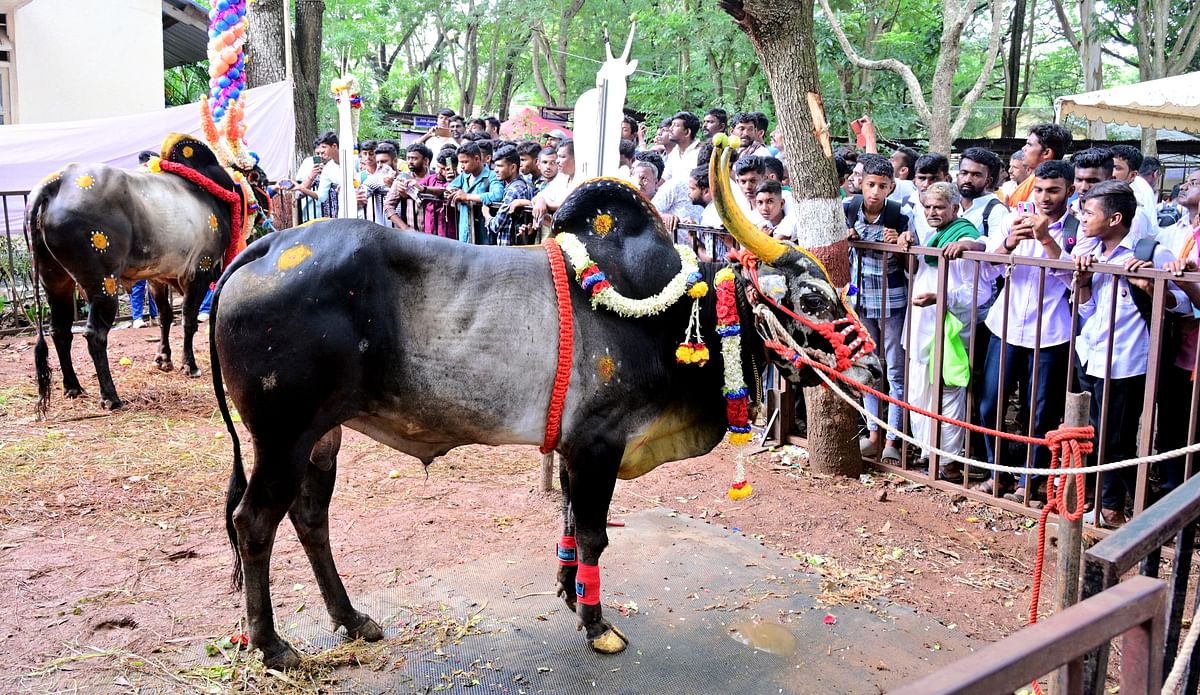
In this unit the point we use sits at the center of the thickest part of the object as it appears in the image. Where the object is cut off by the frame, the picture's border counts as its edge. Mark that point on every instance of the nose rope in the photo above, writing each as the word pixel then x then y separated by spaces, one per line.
pixel 836 332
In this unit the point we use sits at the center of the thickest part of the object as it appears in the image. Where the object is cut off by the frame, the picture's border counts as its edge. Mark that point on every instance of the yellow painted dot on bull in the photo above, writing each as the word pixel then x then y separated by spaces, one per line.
pixel 100 241
pixel 85 182
pixel 293 257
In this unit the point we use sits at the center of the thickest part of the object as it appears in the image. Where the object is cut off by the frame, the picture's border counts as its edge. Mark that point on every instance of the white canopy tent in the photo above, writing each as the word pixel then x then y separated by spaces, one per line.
pixel 1172 103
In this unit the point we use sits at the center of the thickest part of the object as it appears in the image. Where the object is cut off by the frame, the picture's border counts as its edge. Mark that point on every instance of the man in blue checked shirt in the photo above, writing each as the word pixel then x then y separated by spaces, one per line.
pixel 870 216
pixel 475 183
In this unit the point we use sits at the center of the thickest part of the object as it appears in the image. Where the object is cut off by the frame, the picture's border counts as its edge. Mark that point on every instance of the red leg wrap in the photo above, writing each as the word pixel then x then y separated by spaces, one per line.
pixel 587 584
pixel 567 555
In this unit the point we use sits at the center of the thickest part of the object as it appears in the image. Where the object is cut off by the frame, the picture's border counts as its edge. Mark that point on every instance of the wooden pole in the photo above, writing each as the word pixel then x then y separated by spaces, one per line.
pixel 548 472
pixel 1070 533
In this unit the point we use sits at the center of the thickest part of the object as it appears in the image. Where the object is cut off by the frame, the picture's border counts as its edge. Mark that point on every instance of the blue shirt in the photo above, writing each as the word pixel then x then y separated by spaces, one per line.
pixel 490 190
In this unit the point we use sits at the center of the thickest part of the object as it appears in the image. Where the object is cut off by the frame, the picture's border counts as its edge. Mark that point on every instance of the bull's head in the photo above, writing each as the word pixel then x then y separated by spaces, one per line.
pixel 796 288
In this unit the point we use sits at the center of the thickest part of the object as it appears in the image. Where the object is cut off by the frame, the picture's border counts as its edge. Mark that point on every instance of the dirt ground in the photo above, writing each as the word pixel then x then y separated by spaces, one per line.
pixel 113 549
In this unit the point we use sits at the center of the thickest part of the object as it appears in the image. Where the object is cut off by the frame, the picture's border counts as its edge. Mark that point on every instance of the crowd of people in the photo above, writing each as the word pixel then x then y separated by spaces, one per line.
pixel 1096 207
pixel 462 180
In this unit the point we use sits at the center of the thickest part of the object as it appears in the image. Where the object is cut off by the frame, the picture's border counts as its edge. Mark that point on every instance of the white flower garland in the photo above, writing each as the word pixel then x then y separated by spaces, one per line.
pixel 609 298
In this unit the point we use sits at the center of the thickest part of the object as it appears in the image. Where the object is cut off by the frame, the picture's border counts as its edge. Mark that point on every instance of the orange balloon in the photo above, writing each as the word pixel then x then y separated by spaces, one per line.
pixel 229 56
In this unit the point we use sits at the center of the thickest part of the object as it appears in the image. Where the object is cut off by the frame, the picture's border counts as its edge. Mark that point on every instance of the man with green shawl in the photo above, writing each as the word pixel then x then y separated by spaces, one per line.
pixel 941 203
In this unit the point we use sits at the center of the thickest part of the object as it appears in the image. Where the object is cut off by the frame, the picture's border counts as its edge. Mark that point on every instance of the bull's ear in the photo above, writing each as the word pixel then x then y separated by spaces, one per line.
pixel 195 154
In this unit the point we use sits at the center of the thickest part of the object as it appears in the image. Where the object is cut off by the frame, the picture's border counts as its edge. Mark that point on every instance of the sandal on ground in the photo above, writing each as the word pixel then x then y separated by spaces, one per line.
pixel 890 453
pixel 950 472
pixel 867 448
pixel 1113 518
pixel 1019 496
pixel 991 487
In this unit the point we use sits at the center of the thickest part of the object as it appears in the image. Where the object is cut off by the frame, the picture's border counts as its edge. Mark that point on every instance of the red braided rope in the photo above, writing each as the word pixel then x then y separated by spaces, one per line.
pixel 223 194
pixel 1078 444
pixel 566 345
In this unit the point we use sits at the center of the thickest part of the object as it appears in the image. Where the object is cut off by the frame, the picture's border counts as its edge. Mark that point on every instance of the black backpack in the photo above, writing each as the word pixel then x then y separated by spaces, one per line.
pixel 893 215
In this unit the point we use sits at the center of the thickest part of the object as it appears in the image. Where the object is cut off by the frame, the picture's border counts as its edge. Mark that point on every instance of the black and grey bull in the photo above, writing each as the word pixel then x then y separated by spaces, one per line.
pixel 426 344
pixel 99 227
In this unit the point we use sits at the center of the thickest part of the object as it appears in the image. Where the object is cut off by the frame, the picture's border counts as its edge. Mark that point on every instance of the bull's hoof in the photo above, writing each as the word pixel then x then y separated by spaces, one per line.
pixel 164 363
pixel 73 392
pixel 568 597
pixel 611 641
pixel 368 630
pixel 281 660
pixel 193 371
pixel 113 403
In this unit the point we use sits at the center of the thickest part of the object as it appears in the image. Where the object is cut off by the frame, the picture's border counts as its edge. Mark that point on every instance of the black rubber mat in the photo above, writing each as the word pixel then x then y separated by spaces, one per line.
pixel 685 585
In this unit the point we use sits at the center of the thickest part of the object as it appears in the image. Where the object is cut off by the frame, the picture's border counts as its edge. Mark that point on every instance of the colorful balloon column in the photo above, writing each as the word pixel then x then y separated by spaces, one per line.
pixel 227 25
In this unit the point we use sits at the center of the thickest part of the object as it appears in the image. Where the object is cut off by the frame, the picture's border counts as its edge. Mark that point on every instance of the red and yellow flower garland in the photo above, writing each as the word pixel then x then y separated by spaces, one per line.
pixel 729 327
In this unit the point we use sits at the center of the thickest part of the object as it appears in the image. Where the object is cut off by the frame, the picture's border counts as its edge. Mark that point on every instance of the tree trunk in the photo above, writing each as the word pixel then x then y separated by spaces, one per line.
pixel 1012 73
pixel 782 34
pixel 309 25
pixel 411 99
pixel 264 44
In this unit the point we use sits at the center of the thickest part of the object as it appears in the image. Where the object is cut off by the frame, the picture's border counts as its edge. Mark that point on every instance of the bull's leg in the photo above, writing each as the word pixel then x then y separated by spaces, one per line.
pixel 310 516
pixel 60 295
pixel 101 314
pixel 278 469
pixel 592 480
pixel 166 316
pixel 192 299
pixel 568 553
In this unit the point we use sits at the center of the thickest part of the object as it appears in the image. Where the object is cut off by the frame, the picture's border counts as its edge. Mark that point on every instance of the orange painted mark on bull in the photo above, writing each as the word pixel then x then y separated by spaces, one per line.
pixel 100 241
pixel 293 257
pixel 85 182
pixel 110 285
pixel 606 368
pixel 603 224
pixel 188 151
pixel 212 222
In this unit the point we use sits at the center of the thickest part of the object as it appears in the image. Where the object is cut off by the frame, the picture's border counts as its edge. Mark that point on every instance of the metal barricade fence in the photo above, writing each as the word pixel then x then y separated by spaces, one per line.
pixel 1157 362
pixel 16 276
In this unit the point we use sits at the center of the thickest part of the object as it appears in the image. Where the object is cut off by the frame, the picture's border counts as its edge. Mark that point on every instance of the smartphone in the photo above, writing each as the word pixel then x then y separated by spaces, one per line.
pixel 285 184
pixel 316 159
pixel 1026 207
pixel 442 132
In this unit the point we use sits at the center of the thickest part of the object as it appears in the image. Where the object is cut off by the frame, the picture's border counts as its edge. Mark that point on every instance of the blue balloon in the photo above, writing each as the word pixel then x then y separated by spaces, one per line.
pixel 233 73
pixel 234 92
pixel 222 5
pixel 213 33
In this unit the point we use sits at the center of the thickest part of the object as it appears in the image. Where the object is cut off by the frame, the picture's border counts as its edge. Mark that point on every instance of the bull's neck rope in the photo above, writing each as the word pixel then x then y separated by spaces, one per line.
pixel 566 346
pixel 230 198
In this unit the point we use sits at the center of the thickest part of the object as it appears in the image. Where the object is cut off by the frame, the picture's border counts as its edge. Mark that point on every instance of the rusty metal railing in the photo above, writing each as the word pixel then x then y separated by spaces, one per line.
pixel 1170 522
pixel 1148 416
pixel 1133 610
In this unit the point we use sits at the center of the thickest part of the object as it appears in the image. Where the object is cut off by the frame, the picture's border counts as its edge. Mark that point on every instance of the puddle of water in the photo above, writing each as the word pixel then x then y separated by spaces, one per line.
pixel 765 637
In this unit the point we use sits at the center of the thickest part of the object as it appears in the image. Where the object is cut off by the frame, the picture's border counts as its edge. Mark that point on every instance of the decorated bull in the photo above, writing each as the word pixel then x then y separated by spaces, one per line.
pixel 178 223
pixel 595 345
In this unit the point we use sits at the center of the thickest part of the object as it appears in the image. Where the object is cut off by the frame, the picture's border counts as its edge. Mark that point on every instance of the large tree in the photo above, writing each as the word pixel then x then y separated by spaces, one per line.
pixel 310 15
pixel 781 32
pixel 935 110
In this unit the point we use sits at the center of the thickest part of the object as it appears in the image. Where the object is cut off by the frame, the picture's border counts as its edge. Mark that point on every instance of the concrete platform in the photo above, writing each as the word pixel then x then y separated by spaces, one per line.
pixel 702 593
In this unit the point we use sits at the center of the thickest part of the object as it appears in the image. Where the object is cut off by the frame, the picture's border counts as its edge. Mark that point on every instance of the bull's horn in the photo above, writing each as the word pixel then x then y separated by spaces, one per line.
pixel 758 242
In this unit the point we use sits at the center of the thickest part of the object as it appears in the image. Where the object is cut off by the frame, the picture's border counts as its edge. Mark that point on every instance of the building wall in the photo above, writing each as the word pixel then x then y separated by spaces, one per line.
pixel 82 59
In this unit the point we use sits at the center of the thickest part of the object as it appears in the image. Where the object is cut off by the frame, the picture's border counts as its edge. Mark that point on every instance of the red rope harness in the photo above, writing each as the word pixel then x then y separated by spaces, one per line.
pixel 566 345
pixel 835 332
pixel 223 194
pixel 1069 446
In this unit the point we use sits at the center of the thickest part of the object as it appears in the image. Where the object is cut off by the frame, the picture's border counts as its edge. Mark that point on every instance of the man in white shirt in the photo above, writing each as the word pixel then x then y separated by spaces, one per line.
pixel 439 136
pixel 682 157
pixel 904 161
pixel 1031 314
pixel 929 169
pixel 977 173
pixel 746 129
pixel 1097 164
pixel 1127 160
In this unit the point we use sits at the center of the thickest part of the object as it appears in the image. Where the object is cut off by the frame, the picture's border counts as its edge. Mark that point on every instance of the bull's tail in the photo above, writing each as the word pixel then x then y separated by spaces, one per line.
pixel 237 477
pixel 39 198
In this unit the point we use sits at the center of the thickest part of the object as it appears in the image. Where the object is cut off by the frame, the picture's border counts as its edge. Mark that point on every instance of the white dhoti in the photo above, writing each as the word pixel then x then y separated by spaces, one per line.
pixel 923 394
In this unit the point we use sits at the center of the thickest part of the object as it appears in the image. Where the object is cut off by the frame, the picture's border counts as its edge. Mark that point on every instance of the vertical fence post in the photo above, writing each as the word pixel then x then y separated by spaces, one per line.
pixel 548 472
pixel 1070 533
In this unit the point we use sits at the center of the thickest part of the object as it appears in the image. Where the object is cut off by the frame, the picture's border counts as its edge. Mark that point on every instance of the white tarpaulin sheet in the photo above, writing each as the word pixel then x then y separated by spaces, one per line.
pixel 30 152
pixel 1172 103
